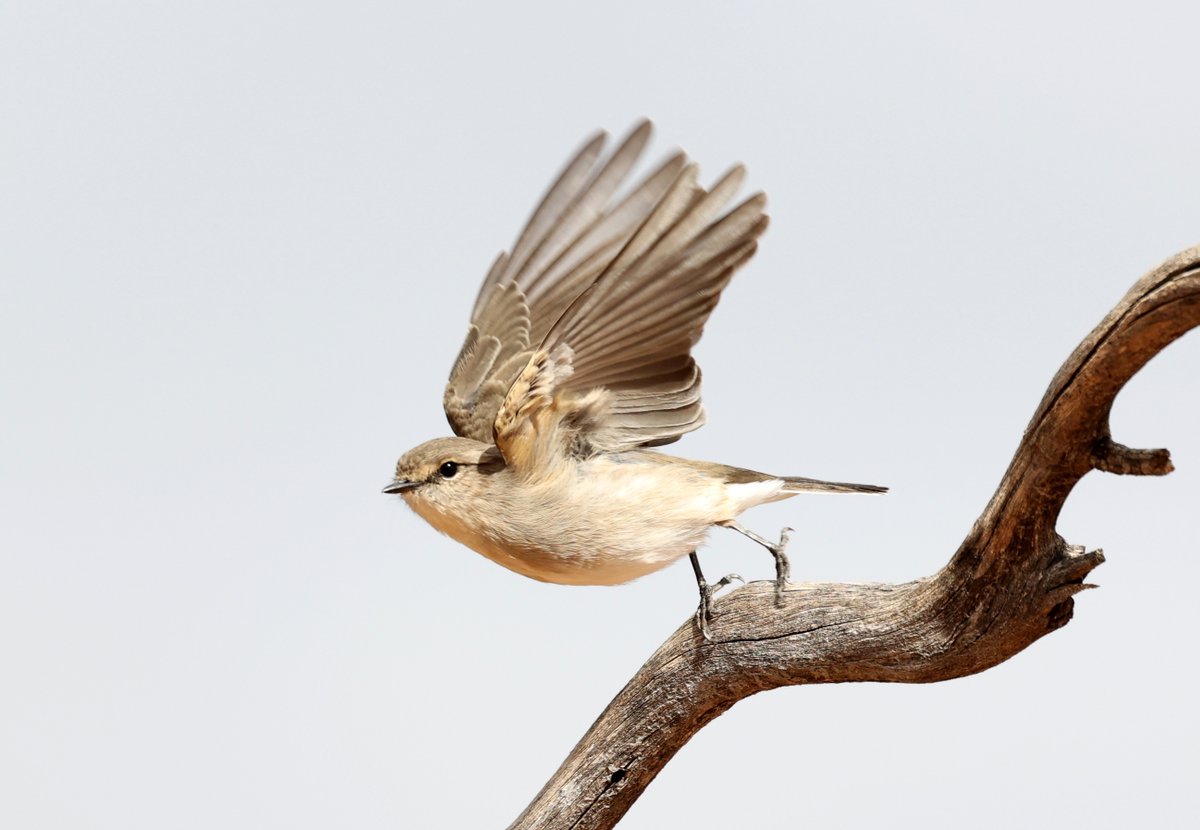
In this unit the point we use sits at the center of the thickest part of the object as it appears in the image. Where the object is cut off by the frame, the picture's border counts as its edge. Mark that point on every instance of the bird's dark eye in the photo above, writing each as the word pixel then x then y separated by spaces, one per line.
pixel 448 470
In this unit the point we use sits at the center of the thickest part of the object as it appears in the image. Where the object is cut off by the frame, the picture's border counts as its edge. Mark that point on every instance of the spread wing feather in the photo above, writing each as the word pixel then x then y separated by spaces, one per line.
pixel 580 340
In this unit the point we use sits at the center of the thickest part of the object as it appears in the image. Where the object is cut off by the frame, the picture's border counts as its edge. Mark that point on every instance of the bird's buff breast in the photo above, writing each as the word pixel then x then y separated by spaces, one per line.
pixel 600 522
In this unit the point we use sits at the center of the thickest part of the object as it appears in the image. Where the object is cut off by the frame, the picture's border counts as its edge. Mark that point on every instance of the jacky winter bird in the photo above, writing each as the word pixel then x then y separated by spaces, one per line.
pixel 576 361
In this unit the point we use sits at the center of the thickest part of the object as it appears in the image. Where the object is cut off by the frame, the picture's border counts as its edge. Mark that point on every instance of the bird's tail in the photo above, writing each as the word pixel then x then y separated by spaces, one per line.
pixel 795 484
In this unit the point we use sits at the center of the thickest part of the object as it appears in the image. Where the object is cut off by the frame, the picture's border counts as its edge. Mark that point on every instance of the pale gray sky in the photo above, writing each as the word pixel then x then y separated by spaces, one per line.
pixel 238 247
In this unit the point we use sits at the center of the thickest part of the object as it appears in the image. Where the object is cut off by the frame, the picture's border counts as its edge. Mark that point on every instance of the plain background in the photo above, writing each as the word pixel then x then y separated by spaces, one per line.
pixel 239 242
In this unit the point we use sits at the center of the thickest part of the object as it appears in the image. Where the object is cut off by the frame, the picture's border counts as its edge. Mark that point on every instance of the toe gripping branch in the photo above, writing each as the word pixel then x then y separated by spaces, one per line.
pixel 704 610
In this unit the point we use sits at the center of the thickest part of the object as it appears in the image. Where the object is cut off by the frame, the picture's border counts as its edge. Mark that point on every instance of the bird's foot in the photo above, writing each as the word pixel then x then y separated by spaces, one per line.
pixel 704 610
pixel 783 568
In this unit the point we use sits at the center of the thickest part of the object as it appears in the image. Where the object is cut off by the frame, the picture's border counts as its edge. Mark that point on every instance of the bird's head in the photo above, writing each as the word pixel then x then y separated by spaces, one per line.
pixel 444 471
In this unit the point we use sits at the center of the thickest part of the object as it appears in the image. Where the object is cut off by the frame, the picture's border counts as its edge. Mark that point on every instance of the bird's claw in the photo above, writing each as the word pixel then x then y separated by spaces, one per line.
pixel 783 568
pixel 703 616
pixel 705 611
pixel 728 579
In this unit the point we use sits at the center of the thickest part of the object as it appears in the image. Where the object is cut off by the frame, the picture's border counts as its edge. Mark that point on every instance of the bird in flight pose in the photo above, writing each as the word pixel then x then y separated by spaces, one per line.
pixel 577 361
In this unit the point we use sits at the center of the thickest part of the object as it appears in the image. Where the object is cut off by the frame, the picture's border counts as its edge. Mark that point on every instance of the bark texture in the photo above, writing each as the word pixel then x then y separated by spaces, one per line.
pixel 1011 582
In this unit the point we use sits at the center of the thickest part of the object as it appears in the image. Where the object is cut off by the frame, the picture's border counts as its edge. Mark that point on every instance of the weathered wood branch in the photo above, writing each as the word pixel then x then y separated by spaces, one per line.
pixel 1010 583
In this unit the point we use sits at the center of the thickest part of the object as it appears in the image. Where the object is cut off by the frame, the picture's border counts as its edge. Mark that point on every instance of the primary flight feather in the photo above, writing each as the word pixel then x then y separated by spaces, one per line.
pixel 576 360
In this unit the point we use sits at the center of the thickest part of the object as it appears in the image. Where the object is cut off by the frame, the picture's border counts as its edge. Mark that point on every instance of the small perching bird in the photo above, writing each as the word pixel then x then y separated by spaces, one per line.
pixel 577 359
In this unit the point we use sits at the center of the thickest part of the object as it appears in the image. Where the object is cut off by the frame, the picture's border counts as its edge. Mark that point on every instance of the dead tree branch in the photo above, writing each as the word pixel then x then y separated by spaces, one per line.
pixel 1010 583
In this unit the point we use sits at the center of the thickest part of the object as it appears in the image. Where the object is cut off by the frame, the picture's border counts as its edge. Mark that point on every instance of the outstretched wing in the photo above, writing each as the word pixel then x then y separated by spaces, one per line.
pixel 573 234
pixel 581 338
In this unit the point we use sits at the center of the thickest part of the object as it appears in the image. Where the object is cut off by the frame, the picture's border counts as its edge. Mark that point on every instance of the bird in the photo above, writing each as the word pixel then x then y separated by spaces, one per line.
pixel 577 364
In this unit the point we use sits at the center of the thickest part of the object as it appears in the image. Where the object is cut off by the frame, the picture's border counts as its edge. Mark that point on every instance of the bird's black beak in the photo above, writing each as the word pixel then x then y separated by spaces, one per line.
pixel 400 485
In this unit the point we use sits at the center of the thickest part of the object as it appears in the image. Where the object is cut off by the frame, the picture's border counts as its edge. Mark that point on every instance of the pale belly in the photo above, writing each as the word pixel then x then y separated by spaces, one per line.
pixel 610 523
pixel 616 544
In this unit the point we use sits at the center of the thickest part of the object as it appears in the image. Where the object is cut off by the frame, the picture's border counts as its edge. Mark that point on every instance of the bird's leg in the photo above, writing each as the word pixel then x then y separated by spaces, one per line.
pixel 704 612
pixel 783 569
